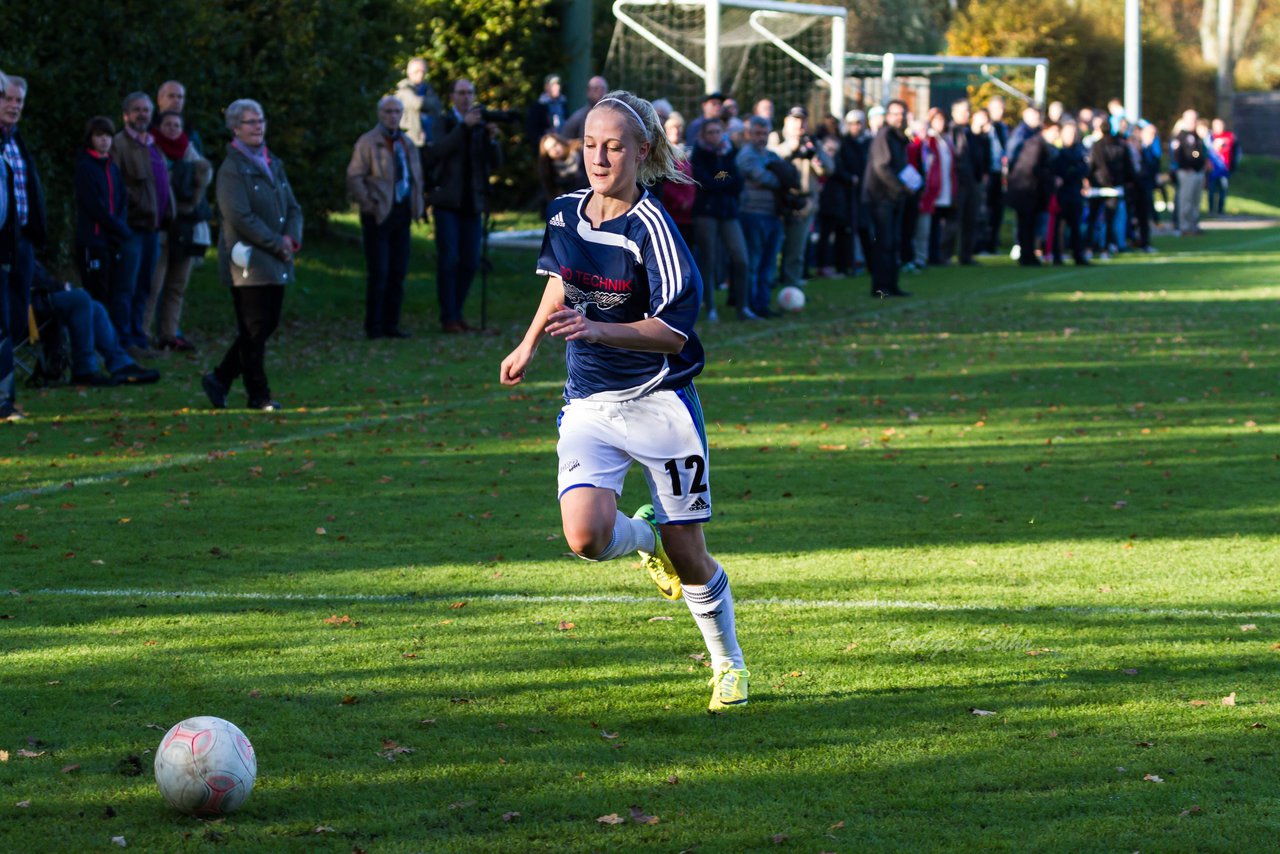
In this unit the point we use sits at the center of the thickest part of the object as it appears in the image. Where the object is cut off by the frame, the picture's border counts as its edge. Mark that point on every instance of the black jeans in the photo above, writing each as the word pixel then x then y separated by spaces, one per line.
pixel 995 212
pixel 257 316
pixel 886 229
pixel 1069 220
pixel 386 258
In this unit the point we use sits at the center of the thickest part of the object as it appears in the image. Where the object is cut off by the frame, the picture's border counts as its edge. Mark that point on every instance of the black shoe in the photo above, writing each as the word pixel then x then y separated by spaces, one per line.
pixel 399 333
pixel 214 390
pixel 266 405
pixel 373 336
pixel 91 379
pixel 134 375
pixel 1082 262
pixel 887 294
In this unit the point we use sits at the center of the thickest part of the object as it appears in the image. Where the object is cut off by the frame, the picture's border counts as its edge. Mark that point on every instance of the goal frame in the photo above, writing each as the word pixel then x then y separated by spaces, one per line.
pixel 761 12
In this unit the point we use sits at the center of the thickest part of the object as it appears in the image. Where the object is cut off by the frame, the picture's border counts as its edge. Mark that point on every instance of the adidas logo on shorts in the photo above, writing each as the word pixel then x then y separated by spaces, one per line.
pixel 558 219
pixel 699 504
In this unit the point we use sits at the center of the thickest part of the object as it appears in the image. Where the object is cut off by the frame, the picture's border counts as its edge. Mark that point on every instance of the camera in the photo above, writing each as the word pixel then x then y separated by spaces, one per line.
pixel 487 115
pixel 805 149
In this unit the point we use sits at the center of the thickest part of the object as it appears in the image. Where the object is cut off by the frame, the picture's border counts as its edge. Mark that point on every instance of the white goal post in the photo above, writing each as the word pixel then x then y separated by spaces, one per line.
pixel 890 66
pixel 763 13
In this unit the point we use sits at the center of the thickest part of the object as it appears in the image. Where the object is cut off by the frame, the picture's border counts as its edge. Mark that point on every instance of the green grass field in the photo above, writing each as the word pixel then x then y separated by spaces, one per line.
pixel 1049 495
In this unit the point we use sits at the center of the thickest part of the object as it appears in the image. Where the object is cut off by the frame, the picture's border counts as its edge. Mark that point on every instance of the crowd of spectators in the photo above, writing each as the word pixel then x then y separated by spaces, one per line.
pixel 772 204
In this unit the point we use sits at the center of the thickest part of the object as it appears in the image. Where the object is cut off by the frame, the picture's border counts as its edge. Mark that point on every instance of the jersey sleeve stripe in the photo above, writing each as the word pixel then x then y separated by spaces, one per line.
pixel 669 244
pixel 664 251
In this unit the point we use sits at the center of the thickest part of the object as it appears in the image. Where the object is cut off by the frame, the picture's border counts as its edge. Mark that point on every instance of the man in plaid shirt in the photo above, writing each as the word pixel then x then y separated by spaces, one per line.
pixel 22 229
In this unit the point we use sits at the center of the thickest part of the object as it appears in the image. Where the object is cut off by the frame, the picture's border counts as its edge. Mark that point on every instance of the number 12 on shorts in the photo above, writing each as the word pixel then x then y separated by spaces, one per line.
pixel 697 465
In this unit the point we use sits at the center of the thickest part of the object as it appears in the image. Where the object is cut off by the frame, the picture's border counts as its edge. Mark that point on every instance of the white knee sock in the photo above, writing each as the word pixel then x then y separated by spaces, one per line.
pixel 628 536
pixel 712 608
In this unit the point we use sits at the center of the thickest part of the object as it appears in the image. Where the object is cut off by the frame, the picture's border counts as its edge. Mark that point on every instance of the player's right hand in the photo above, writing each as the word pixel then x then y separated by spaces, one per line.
pixel 513 367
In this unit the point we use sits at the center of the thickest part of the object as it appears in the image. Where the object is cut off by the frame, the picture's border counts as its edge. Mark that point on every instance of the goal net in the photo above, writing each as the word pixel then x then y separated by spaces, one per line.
pixel 765 51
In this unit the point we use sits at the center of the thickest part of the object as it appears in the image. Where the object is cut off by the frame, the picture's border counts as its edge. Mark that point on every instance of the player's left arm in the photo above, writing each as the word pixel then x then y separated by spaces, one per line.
pixel 650 335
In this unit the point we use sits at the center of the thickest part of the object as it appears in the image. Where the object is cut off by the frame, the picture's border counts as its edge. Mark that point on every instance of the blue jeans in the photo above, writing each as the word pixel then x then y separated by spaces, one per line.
pixel 457 259
pixel 8 381
pixel 91 333
pixel 130 290
pixel 763 233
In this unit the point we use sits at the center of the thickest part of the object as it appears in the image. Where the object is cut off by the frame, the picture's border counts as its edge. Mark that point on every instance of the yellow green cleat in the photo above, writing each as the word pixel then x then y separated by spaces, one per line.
pixel 728 689
pixel 657 564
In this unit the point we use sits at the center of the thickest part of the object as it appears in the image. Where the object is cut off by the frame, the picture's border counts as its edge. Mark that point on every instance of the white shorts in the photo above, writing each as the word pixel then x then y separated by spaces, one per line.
pixel 662 431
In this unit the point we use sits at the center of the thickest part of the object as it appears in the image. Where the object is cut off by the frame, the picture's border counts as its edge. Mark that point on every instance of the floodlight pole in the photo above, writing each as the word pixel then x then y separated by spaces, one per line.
pixel 711 62
pixel 1133 59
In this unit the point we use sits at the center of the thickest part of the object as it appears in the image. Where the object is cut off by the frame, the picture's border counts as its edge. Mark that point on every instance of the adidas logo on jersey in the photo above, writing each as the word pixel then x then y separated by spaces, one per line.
pixel 699 504
pixel 558 219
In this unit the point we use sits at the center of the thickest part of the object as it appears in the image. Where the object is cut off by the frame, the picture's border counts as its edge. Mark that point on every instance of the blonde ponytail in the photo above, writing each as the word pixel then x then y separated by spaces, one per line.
pixel 663 162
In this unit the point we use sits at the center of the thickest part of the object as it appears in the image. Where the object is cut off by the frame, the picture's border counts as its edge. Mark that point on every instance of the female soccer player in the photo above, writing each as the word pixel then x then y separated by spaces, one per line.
pixel 623 292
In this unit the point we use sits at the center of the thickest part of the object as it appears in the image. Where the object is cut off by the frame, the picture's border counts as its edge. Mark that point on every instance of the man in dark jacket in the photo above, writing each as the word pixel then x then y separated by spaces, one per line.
pixel 1030 184
pixel 853 159
pixel 1187 153
pixel 1111 178
pixel 22 231
pixel 971 168
pixel 1070 169
pixel 465 153
pixel 885 193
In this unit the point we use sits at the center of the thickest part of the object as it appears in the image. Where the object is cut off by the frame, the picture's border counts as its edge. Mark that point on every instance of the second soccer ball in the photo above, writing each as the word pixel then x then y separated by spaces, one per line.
pixel 791 298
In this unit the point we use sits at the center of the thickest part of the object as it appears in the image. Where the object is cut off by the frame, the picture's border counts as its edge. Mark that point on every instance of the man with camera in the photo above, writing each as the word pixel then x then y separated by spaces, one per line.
pixel 465 153
pixel 810 162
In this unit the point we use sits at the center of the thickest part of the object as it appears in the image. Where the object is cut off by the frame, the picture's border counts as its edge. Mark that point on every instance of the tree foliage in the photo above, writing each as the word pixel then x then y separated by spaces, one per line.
pixel 317 68
pixel 1085 49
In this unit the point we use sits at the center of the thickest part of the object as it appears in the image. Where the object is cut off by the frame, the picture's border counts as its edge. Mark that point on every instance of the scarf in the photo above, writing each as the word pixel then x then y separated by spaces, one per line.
pixel 174 149
pixel 262 157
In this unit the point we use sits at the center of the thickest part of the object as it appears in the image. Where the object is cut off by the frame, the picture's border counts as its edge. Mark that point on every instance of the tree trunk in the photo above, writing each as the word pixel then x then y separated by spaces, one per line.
pixel 1226 60
pixel 1209 32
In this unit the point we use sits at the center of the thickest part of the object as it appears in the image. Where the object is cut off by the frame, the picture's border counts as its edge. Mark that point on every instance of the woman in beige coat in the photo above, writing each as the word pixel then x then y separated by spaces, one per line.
pixel 261 231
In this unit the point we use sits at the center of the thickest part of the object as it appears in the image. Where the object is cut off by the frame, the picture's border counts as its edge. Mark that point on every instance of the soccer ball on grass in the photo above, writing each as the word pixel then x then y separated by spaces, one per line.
pixel 791 298
pixel 205 766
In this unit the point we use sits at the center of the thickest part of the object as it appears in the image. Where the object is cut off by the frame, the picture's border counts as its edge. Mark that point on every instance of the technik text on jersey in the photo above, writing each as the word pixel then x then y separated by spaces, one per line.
pixel 583 279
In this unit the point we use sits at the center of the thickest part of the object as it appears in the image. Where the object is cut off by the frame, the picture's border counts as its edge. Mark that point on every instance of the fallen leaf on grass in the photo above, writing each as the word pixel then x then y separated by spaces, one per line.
pixel 1248 627
pixel 323 828
pixel 510 816
pixel 349 700
pixel 456 605
pixel 673 780
pixel 1230 699
pixel 344 620
pixel 1144 744
pixel 564 626
pixel 1198 703
pixel 1191 811
pixel 30 754
pixel 4 756
pixel 608 735
pixel 119 840
pixel 1130 671
pixel 983 713
pixel 22 805
pixel 459 700
pixel 639 817
pixel 661 619
pixel 321 531
pixel 836 826
pixel 1153 778
pixel 1041 651
pixel 779 838
pixel 390 750
pixel 611 818
pixel 1257 725
pixel 460 805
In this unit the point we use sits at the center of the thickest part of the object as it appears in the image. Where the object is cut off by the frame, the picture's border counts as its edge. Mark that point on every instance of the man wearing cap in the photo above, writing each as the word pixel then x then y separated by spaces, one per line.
pixel 853 155
pixel 712 108
pixel 548 113
pixel 811 162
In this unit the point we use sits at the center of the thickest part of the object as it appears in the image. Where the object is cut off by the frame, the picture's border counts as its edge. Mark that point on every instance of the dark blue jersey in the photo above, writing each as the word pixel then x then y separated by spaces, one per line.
pixel 629 268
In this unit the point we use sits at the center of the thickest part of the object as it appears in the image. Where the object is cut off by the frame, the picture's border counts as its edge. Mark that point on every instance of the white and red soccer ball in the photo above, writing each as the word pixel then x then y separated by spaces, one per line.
pixel 791 298
pixel 205 766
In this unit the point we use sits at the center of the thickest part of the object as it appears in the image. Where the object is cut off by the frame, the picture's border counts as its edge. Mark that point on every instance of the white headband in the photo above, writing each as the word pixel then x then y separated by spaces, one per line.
pixel 629 110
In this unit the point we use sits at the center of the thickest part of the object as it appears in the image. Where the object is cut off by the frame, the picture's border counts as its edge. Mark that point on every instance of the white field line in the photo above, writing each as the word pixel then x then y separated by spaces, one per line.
pixel 648 601
pixel 763 331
